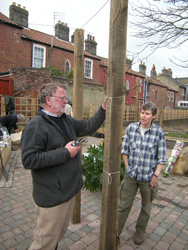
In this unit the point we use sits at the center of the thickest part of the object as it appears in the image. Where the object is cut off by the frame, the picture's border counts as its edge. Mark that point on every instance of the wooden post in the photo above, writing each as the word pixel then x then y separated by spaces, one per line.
pixel 161 108
pixel 78 99
pixel 113 125
pixel 137 100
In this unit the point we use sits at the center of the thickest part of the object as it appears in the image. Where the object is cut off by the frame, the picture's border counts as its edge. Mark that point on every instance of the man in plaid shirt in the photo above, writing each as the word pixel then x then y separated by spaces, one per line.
pixel 144 154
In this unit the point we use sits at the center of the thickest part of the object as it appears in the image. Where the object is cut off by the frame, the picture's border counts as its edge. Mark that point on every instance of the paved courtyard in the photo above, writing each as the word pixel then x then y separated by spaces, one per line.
pixel 167 229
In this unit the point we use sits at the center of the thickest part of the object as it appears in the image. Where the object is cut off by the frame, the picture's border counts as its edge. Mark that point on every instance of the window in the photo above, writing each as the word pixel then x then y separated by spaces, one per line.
pixel 88 71
pixel 156 95
pixel 147 89
pixel 172 96
pixel 183 92
pixel 67 68
pixel 127 85
pixel 169 96
pixel 39 56
pixel 140 85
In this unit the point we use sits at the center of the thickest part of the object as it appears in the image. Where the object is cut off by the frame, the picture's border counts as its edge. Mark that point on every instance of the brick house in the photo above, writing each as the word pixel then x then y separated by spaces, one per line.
pixel 180 87
pixel 34 49
pixel 22 47
pixel 130 81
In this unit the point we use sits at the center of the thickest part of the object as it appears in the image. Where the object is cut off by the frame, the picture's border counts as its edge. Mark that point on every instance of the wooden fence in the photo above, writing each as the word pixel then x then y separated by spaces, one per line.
pixel 28 107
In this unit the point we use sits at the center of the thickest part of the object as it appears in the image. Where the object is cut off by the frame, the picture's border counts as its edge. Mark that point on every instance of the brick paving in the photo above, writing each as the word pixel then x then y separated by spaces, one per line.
pixel 167 229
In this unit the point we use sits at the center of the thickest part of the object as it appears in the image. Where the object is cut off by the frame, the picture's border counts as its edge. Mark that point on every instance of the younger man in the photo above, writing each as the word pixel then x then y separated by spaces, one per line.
pixel 144 154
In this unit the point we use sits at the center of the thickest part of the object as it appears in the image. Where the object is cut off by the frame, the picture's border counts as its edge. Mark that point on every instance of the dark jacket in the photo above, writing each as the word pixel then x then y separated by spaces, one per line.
pixel 9 121
pixel 56 176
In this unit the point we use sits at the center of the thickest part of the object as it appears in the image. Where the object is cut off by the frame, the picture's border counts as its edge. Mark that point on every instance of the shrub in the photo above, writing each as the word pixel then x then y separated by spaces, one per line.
pixel 55 71
pixel 93 168
pixel 70 74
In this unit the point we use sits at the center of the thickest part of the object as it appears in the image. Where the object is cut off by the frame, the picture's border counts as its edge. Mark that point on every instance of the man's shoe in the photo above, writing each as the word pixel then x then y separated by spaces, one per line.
pixel 138 238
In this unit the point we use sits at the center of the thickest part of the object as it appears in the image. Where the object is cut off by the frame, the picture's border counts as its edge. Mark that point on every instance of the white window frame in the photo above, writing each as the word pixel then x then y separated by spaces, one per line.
pixel 67 68
pixel 172 96
pixel 169 96
pixel 127 85
pixel 183 92
pixel 88 69
pixel 156 95
pixel 35 57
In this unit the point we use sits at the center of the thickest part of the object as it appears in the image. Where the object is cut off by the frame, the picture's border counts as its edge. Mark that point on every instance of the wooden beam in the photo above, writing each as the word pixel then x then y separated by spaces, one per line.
pixel 78 77
pixel 113 124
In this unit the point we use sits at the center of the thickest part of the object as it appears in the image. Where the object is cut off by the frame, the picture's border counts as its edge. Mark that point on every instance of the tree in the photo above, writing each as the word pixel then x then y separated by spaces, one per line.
pixel 162 24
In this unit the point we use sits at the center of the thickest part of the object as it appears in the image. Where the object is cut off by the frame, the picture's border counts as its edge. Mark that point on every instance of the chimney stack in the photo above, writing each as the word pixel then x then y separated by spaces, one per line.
pixel 129 63
pixel 19 15
pixel 167 72
pixel 142 68
pixel 91 45
pixel 62 31
pixel 153 72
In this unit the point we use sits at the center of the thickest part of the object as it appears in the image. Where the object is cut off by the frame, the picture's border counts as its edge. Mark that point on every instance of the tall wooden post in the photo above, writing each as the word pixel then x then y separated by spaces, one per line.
pixel 78 99
pixel 161 108
pixel 113 125
pixel 137 100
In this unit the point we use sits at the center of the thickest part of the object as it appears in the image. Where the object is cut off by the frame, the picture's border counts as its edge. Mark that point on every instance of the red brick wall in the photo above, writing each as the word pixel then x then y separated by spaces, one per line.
pixel 14 51
pixel 27 82
pixel 152 96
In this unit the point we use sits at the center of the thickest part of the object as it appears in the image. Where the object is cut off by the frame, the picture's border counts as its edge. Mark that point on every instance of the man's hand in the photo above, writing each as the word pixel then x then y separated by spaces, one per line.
pixel 104 104
pixel 72 149
pixel 154 182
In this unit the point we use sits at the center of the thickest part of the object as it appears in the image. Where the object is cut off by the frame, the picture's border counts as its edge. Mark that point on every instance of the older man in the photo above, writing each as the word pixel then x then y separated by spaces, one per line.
pixel 55 163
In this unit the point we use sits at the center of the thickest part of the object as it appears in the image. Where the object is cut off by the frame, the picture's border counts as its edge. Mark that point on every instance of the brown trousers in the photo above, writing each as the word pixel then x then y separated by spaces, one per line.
pixel 52 224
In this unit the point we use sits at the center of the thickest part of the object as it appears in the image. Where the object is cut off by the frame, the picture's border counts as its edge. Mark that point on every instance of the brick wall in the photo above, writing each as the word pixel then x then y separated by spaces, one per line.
pixel 27 82
pixel 14 52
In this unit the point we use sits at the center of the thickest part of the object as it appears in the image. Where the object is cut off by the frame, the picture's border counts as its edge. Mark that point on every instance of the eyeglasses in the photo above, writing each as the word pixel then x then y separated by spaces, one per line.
pixel 64 98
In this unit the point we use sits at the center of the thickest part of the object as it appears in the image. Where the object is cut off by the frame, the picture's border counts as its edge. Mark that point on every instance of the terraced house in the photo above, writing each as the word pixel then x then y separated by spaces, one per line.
pixel 26 54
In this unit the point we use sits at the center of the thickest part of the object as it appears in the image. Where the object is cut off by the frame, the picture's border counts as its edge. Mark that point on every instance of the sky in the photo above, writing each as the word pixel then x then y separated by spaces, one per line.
pixel 77 14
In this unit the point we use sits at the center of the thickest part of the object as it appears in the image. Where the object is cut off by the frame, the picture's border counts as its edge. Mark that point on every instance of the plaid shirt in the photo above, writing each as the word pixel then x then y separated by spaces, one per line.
pixel 144 154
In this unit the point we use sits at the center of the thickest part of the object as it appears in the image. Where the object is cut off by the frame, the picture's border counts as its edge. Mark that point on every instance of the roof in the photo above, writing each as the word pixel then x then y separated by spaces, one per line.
pixel 174 80
pixel 40 37
pixel 160 83
pixel 104 63
pixel 5 19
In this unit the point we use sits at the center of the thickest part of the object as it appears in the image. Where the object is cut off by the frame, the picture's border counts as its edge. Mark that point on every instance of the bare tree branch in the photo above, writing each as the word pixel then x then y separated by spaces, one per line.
pixel 164 23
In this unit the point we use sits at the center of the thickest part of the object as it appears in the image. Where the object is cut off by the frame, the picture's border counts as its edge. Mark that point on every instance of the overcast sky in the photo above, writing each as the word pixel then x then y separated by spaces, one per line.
pixel 77 13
